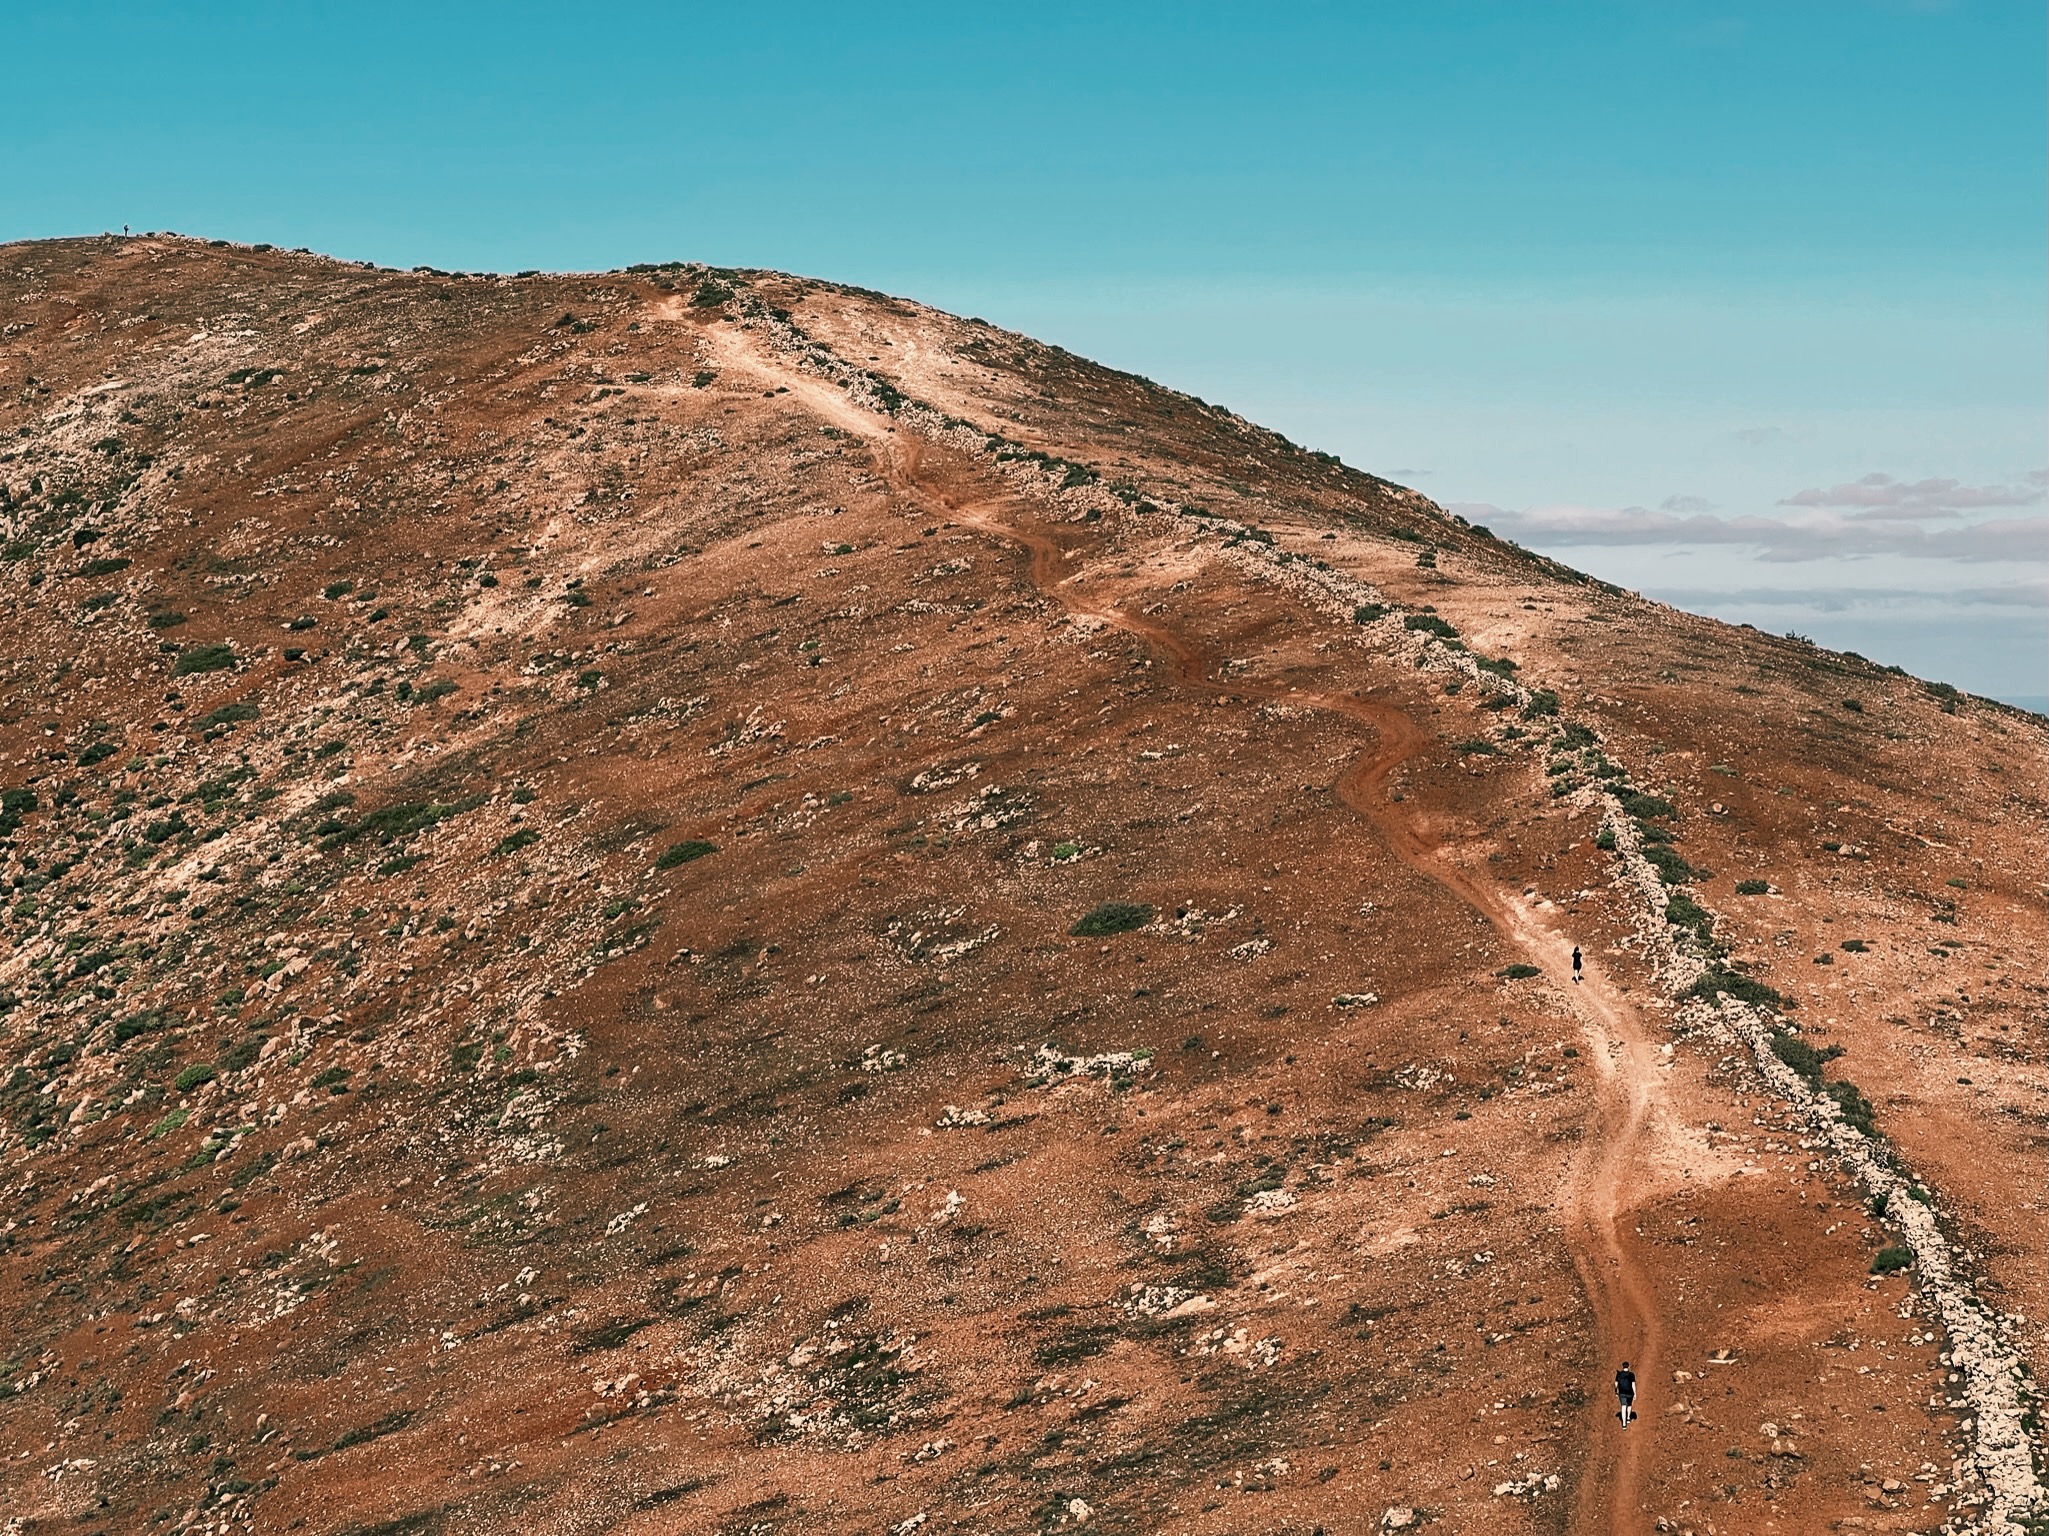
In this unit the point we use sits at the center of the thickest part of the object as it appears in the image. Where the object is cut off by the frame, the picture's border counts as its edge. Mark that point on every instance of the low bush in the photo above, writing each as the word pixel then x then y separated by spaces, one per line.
pixel 1684 912
pixel 525 837
pixel 1671 868
pixel 1753 887
pixel 1856 946
pixel 684 852
pixel 1716 984
pixel 1802 1057
pixel 1519 971
pixel 1429 624
pixel 1112 917
pixel 198 1073
pixel 1856 1109
pixel 1367 613
pixel 1891 1259
pixel 1649 806
pixel 204 658
pixel 1542 702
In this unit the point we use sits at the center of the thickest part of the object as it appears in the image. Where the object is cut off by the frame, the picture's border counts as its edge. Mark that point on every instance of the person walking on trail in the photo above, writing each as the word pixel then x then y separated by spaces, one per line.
pixel 1625 1394
pixel 1575 965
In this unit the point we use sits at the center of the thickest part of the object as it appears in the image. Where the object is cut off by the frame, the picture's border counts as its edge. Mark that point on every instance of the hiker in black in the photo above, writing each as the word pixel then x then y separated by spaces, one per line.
pixel 1575 965
pixel 1625 1393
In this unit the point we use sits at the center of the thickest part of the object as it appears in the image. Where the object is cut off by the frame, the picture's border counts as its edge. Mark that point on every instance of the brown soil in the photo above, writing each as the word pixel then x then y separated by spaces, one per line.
pixel 613 910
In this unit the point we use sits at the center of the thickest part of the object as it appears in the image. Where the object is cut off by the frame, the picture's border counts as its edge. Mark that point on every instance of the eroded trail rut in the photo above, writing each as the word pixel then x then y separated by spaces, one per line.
pixel 1596 1197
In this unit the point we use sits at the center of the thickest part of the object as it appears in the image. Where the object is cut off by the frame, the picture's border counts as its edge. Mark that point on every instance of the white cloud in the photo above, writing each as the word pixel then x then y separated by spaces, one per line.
pixel 1881 498
pixel 1820 534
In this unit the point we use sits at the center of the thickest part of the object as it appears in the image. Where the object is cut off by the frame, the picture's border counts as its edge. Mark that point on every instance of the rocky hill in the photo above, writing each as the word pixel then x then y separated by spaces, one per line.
pixel 683 900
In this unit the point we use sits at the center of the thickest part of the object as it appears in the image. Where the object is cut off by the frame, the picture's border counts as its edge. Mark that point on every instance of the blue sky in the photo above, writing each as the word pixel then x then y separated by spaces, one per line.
pixel 1739 304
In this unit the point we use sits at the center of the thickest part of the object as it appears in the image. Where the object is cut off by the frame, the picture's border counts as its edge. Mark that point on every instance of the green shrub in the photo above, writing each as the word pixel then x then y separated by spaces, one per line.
pixel 1802 1057
pixel 105 566
pixel 1542 702
pixel 576 597
pixel 1519 971
pixel 1605 839
pixel 1430 624
pixel 1684 912
pixel 335 589
pixel 229 714
pixel 1715 984
pixel 1649 806
pixel 200 1072
pixel 1112 917
pixel 170 618
pixel 170 1122
pixel 393 822
pixel 1500 666
pixel 1367 613
pixel 1856 946
pixel 1671 868
pixel 1478 745
pixel 710 294
pixel 98 752
pixel 1753 887
pixel 204 658
pixel 525 837
pixel 1856 1109
pixel 137 1024
pixel 684 852
pixel 1891 1259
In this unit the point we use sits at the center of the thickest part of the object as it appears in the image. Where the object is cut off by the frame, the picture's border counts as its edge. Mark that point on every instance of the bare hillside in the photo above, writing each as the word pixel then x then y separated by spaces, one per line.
pixel 683 900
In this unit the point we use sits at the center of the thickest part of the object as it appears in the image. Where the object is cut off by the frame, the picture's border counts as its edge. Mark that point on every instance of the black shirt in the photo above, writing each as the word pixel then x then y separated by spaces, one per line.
pixel 1625 1383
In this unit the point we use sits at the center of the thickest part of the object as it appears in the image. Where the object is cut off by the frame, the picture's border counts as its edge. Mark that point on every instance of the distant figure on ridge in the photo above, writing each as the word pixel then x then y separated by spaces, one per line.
pixel 1575 965
pixel 1625 1394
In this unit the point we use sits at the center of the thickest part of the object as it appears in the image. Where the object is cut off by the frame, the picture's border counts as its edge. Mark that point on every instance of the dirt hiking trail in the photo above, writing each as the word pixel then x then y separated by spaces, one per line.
pixel 1603 1183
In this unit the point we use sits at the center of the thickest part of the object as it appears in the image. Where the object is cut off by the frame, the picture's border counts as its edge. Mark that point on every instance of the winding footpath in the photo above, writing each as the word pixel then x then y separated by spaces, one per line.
pixel 1594 1200
pixel 1603 1174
